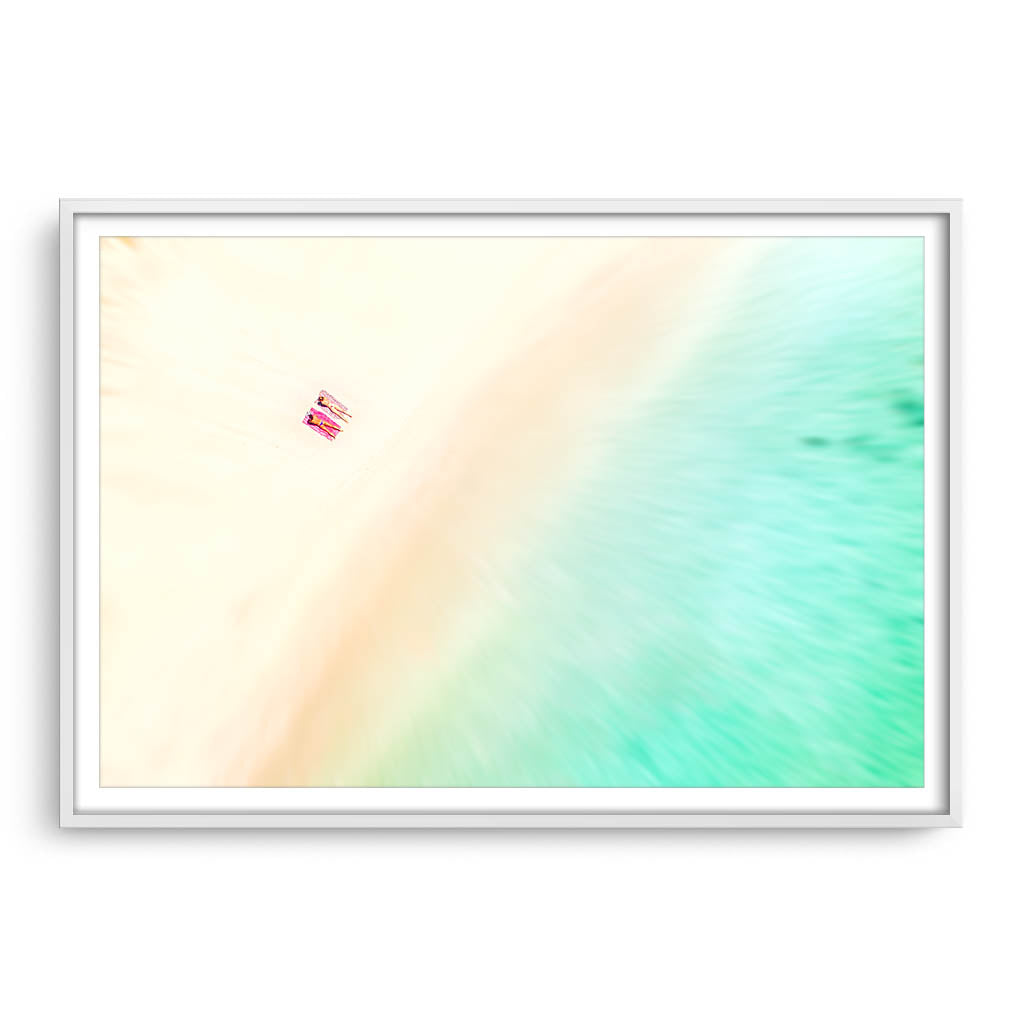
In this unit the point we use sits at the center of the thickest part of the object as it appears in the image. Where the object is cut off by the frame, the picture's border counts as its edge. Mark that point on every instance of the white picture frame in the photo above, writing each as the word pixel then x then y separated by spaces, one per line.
pixel 80 222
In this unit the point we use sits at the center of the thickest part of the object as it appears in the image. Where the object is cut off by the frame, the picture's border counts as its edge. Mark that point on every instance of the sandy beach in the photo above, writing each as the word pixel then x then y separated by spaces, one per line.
pixel 268 595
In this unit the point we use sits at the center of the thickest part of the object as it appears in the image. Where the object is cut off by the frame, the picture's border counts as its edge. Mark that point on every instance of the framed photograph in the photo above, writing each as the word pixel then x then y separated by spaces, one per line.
pixel 627 514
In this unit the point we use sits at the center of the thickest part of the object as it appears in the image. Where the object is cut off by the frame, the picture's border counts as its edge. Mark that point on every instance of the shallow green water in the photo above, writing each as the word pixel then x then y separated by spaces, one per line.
pixel 733 595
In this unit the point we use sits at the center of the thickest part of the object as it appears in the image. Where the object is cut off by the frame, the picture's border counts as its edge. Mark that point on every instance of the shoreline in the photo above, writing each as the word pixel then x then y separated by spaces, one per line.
pixel 271 685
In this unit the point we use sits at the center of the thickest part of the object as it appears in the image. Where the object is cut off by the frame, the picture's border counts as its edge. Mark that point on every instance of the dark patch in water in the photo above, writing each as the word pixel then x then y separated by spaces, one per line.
pixel 912 408
pixel 815 442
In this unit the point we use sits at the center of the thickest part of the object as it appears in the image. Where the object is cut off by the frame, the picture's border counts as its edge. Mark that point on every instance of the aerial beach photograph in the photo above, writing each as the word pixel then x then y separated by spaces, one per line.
pixel 512 516
pixel 521 511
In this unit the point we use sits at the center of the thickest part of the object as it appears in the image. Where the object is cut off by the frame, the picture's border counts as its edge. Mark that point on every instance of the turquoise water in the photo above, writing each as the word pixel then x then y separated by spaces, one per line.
pixel 732 595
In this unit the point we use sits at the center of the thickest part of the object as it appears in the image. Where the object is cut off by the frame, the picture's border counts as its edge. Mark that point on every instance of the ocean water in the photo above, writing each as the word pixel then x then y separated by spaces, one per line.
pixel 731 593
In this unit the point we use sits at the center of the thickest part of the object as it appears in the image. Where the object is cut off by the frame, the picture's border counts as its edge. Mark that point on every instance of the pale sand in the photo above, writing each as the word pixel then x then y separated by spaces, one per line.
pixel 268 595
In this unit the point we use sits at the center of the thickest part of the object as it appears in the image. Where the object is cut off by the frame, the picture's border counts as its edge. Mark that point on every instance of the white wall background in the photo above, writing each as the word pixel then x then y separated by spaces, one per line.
pixel 876 99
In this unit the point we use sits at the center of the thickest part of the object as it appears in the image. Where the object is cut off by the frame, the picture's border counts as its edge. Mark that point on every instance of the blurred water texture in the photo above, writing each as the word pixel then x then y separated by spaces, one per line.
pixel 735 596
